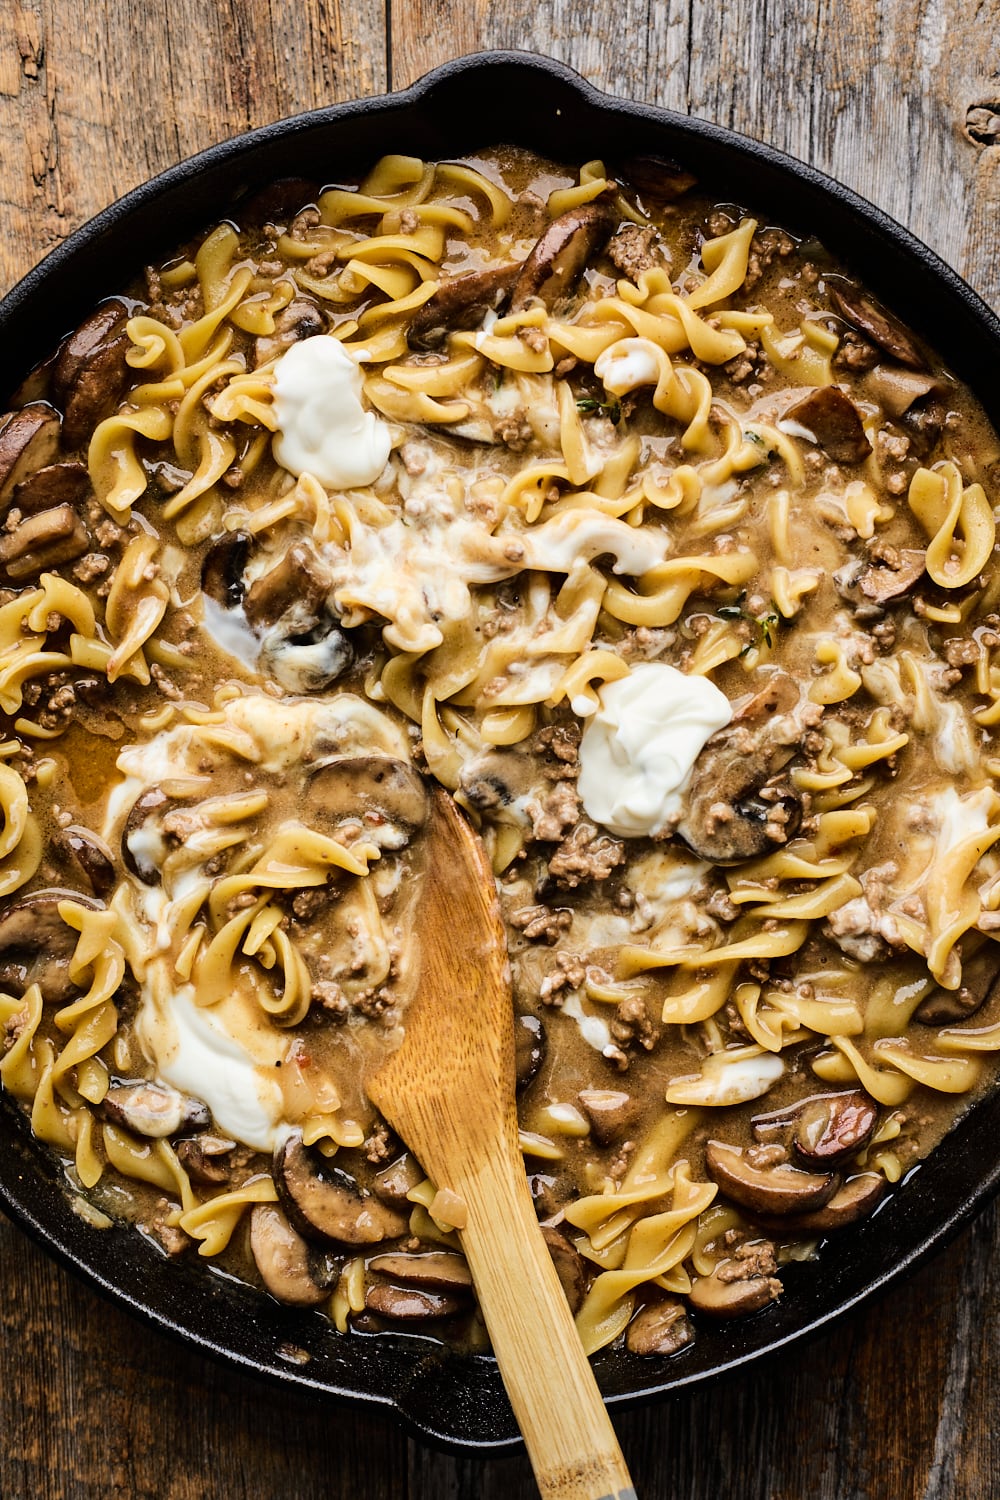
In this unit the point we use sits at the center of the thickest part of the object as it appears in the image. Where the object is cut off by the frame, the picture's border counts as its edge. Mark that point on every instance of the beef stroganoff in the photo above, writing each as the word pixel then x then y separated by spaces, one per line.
pixel 638 525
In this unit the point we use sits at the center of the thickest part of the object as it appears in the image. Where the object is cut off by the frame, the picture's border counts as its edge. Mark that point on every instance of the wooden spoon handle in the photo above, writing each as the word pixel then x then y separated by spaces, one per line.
pixel 566 1428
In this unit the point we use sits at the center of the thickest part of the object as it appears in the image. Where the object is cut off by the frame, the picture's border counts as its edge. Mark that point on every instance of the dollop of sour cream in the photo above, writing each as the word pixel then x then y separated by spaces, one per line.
pixel 323 428
pixel 200 1055
pixel 639 748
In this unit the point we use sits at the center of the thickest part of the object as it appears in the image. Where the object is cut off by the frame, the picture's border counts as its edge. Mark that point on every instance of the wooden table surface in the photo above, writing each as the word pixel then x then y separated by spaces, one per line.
pixel 901 100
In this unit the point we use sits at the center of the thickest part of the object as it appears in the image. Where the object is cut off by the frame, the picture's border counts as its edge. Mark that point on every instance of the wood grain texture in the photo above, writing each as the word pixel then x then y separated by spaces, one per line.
pixel 898 1403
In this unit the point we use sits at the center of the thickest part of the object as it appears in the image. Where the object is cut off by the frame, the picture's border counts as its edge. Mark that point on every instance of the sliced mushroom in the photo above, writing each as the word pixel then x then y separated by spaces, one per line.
pixel 439 1270
pixel 881 582
pixel 36 945
pixel 853 1201
pixel 308 662
pixel 87 857
pixel 896 390
pixel 732 1299
pixel 732 812
pixel 301 319
pixel 223 568
pixel 570 1267
pixel 154 1110
pixel 825 1129
pixel 835 423
pixel 29 440
pixel 325 1202
pixel 980 982
pixel 207 1158
pixel 393 1182
pixel 611 1113
pixel 369 786
pixel 409 1304
pixel 53 485
pixel 530 1046
pixel 660 1327
pixel 43 541
pixel 558 257
pixel 881 327
pixel 285 1261
pixel 656 178
pixel 461 303
pixel 90 374
pixel 923 423
pixel 294 591
pixel 495 778
pixel 774 1190
pixel 143 847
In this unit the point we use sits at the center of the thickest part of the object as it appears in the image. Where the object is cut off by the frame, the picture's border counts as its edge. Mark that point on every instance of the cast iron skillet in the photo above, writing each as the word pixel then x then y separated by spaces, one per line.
pixel 531 101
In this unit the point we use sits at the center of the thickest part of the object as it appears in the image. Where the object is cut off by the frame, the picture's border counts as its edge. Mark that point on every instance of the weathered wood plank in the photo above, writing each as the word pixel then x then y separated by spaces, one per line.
pixel 94 100
pixel 93 1403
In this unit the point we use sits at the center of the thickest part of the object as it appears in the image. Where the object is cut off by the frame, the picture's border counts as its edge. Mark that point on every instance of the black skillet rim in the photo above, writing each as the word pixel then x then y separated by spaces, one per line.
pixel 457 1401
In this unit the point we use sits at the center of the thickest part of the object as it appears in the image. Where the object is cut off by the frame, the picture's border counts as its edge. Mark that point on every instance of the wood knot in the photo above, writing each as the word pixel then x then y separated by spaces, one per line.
pixel 982 123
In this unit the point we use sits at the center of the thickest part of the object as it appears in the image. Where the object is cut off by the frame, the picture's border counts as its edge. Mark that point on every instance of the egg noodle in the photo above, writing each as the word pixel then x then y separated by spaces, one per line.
pixel 417 473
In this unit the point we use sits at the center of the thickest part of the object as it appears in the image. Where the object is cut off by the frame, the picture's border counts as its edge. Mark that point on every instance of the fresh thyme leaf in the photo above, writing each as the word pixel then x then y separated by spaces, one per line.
pixel 612 409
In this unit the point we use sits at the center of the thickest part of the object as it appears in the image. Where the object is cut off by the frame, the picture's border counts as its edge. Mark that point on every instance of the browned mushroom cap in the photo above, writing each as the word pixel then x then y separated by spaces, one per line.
pixel 137 855
pixel 530 1046
pixel 400 1177
pixel 660 1327
pixel 36 945
pixel 223 568
pixel 896 390
pixel 55 484
pixel 835 423
pixel 462 302
pixel 882 581
pixel 407 1304
pixel 720 1298
pixel 880 326
pixel 29 440
pixel 285 1261
pixel 851 1202
pixel 611 1113
pixel 438 1270
pixel 569 1264
pixel 369 786
pixel 824 1129
pixel 732 813
pixel 207 1158
pixel 325 1202
pixel 90 373
pixel 43 541
pixel 154 1110
pixel 86 857
pixel 301 319
pixel 558 257
pixel 780 1189
pixel 656 178
pixel 980 982
pixel 294 590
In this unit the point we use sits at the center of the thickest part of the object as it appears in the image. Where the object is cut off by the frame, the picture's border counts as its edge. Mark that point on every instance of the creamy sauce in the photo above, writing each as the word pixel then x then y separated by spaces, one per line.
pixel 627 365
pixel 323 428
pixel 197 1052
pixel 638 749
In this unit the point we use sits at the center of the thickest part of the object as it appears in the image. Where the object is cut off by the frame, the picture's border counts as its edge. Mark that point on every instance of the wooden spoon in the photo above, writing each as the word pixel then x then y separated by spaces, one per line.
pixel 449 1093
